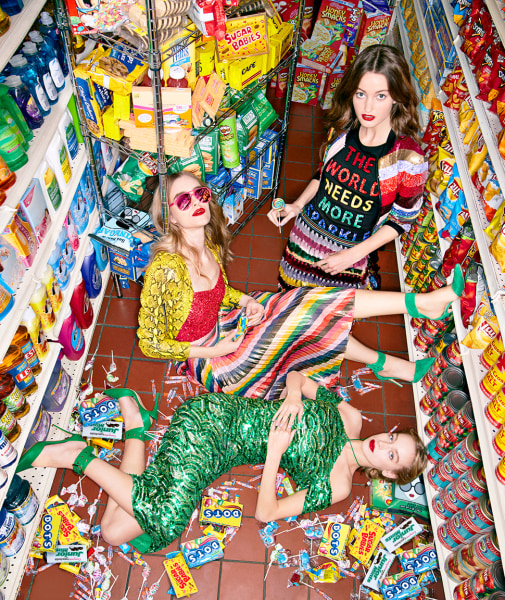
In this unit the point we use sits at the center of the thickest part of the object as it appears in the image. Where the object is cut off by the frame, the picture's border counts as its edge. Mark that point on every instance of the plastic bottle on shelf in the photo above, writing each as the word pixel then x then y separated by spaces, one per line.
pixel 30 78
pixel 79 212
pixel 42 307
pixel 81 304
pixel 25 101
pixel 52 288
pixel 24 341
pixel 12 7
pixel 58 159
pixel 71 337
pixel 12 397
pixel 36 60
pixel 49 184
pixel 15 363
pixel 45 46
pixel 177 78
pixel 48 27
pixel 6 300
pixel 101 253
pixel 72 232
pixel 68 134
pixel 59 267
pixel 91 273
pixel 5 21
pixel 14 116
pixel 66 251
pixel 32 323
pixel 11 149
pixel 7 177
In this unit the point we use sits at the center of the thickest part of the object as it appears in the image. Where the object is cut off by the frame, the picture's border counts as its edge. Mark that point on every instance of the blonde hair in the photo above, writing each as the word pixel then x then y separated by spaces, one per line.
pixel 407 474
pixel 172 241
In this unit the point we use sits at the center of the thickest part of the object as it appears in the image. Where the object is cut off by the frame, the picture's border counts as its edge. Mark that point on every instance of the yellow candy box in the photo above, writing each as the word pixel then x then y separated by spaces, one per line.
pixel 245 36
pixel 334 540
pixel 180 577
pixel 220 512
pixel 366 541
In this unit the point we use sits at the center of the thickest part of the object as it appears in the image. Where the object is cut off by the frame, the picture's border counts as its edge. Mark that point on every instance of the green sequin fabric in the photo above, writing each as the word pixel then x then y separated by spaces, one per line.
pixel 212 433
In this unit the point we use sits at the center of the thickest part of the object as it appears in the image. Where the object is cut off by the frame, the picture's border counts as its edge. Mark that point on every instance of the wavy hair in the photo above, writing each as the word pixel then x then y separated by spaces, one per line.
pixel 407 474
pixel 217 234
pixel 387 61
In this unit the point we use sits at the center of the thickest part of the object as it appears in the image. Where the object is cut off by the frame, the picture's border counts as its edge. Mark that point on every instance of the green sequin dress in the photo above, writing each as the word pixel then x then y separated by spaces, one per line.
pixel 212 433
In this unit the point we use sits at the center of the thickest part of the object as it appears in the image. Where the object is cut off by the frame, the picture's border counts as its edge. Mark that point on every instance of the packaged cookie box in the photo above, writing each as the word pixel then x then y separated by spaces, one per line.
pixel 374 24
pixel 308 85
pixel 331 84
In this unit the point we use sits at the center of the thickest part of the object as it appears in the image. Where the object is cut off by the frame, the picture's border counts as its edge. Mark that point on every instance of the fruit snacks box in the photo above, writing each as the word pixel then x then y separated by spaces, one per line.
pixel 308 85
pixel 374 24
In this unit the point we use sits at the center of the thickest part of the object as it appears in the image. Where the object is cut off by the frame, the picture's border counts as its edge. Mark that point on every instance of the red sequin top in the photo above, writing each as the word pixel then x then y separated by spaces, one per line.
pixel 203 313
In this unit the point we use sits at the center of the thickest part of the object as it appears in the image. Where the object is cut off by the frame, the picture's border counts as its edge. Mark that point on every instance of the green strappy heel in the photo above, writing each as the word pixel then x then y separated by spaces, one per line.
pixel 458 285
pixel 139 432
pixel 422 367
pixel 33 453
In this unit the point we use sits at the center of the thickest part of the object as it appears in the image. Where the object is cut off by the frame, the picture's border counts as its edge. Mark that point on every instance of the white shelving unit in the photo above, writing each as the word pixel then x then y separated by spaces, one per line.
pixel 41 479
pixel 474 371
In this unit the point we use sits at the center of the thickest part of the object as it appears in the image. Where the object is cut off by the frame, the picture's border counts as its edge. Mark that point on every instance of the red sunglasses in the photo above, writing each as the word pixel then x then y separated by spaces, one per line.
pixel 183 201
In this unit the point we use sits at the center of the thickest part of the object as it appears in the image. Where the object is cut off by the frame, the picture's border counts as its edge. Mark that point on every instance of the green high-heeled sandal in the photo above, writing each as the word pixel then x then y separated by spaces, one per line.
pixel 458 285
pixel 33 453
pixel 422 367
pixel 378 365
pixel 138 433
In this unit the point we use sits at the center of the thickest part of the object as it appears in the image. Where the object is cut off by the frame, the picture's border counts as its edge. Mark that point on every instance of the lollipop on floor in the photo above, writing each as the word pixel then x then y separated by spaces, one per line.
pixel 278 204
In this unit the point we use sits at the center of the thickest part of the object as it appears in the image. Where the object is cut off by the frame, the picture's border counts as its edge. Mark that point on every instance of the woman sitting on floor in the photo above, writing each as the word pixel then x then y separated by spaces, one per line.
pixel 304 329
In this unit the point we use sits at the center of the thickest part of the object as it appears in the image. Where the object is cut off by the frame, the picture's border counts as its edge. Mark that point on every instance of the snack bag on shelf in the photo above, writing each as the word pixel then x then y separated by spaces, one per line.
pixel 469 296
pixel 131 177
pixel 452 205
pixel 477 154
pixel 494 226
pixel 193 164
pixel 484 325
pixel 460 250
pixel 497 248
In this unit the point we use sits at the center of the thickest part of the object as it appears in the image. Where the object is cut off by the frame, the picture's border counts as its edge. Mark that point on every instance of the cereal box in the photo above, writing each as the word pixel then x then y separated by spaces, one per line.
pixel 320 56
pixel 308 84
pixel 245 36
pixel 331 84
pixel 331 23
pixel 374 25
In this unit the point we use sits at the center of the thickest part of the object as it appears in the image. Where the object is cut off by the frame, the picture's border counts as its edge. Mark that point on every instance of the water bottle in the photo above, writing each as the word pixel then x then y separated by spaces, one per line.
pixel 31 79
pixel 46 48
pixel 25 101
pixel 36 60
pixel 48 28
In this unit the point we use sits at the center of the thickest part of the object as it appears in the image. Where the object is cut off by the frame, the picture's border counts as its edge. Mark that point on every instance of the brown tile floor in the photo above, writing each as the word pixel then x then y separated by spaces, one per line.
pixel 257 248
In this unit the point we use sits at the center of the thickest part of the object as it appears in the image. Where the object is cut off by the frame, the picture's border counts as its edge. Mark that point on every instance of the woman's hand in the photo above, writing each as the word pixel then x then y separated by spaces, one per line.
pixel 254 311
pixel 227 345
pixel 279 439
pixel 290 211
pixel 290 409
pixel 339 261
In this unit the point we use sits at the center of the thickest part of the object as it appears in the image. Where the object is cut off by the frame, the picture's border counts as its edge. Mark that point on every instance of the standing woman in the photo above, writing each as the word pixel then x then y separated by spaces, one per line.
pixel 369 189
pixel 304 329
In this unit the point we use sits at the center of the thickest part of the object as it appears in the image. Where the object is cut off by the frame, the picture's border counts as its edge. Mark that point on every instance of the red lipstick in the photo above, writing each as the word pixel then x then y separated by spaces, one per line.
pixel 198 212
pixel 371 445
pixel 367 117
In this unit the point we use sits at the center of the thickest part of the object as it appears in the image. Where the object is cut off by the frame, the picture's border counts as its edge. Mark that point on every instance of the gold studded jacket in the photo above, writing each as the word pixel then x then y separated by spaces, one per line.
pixel 166 300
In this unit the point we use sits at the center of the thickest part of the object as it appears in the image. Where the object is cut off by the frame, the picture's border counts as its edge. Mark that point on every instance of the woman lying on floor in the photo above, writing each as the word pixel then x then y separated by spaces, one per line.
pixel 211 434
pixel 304 329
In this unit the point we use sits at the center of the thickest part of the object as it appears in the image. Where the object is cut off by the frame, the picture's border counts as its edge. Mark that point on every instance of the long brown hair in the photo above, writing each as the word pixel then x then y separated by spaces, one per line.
pixel 217 233
pixel 387 61
pixel 407 474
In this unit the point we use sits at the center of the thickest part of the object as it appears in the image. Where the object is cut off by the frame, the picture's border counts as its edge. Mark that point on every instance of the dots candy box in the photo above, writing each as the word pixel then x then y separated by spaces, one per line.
pixel 202 550
pixel 220 512
pixel 334 540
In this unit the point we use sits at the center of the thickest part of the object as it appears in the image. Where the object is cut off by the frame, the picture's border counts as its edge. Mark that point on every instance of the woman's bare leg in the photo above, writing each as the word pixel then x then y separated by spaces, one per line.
pixel 369 303
pixel 393 367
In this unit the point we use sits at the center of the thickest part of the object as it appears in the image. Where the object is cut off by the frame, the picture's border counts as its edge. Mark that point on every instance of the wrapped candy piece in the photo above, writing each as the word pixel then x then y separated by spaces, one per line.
pixel 267 533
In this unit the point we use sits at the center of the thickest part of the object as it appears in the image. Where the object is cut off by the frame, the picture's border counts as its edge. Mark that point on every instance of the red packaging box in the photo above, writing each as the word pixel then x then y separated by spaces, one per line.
pixel 374 26
pixel 308 85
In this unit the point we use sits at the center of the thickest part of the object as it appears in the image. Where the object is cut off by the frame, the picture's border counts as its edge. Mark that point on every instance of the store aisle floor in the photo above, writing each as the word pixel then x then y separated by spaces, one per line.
pixel 242 571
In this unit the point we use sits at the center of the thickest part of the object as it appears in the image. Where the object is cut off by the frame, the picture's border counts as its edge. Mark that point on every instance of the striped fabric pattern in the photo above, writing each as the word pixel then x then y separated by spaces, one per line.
pixel 304 329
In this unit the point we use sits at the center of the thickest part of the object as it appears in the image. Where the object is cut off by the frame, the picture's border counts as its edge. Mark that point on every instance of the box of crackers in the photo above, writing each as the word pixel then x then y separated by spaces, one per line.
pixel 308 85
